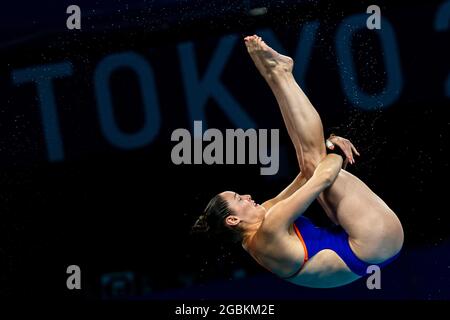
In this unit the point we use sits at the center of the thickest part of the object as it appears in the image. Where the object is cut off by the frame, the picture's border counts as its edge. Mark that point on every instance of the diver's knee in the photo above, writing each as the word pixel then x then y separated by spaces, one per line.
pixel 308 170
pixel 310 164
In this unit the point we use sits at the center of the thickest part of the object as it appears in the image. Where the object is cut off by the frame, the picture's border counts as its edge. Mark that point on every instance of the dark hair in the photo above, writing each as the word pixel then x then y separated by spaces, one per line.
pixel 212 221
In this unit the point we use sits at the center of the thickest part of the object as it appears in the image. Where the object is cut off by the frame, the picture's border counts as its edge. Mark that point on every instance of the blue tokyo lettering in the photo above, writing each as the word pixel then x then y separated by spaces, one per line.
pixel 199 88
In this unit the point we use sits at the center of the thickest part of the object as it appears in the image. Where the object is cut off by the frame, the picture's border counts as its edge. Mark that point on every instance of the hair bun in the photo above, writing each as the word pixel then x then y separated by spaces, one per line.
pixel 201 225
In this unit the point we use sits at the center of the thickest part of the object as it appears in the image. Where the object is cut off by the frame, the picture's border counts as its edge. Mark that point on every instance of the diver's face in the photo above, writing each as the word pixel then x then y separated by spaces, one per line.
pixel 243 208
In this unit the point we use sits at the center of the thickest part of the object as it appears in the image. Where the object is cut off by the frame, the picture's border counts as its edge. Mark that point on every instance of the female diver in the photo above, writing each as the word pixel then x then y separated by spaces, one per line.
pixel 275 233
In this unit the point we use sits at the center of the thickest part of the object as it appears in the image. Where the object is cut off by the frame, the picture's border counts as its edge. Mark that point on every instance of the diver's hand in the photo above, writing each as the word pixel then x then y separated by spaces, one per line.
pixel 345 145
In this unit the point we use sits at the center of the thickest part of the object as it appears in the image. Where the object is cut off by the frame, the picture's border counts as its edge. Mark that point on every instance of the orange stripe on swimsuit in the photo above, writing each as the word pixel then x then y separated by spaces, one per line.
pixel 305 257
pixel 303 244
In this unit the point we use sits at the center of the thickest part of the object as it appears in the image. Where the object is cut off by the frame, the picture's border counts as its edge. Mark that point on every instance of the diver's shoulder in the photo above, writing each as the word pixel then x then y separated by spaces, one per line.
pixel 273 224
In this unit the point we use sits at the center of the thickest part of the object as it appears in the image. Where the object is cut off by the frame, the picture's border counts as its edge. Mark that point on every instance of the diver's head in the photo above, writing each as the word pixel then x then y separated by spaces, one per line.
pixel 229 215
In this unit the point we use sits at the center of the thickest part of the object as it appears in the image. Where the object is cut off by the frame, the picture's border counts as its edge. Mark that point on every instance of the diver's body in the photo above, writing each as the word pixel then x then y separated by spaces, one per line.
pixel 374 232
pixel 275 233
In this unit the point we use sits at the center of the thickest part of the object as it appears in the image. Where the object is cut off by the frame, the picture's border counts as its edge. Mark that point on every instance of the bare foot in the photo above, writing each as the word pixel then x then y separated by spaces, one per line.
pixel 265 58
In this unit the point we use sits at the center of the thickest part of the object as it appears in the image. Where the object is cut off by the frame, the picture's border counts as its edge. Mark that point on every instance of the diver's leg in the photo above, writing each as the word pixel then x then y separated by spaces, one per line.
pixel 294 104
pixel 284 112
pixel 301 119
pixel 374 230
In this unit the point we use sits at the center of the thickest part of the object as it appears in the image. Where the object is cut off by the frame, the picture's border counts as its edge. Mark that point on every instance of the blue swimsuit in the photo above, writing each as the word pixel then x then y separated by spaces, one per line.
pixel 315 239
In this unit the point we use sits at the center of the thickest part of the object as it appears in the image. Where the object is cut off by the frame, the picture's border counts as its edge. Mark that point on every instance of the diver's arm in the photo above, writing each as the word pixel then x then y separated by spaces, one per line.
pixel 284 213
pixel 344 144
pixel 299 181
pixel 347 148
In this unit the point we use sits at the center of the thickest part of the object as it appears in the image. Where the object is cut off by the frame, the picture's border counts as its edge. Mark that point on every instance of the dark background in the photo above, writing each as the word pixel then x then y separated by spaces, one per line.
pixel 124 215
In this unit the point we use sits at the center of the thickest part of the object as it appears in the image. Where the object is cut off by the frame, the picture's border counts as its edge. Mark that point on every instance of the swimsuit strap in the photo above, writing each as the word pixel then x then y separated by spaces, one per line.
pixel 305 258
